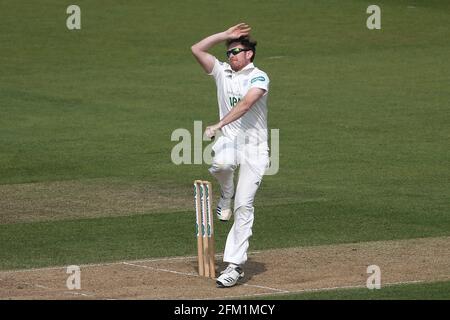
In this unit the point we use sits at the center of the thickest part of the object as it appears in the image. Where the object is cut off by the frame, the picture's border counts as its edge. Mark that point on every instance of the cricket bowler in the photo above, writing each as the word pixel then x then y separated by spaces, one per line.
pixel 241 137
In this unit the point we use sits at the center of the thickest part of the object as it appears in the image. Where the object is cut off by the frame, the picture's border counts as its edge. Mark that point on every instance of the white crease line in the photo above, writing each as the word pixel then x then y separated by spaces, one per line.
pixel 263 287
pixel 47 288
pixel 90 295
pixel 267 288
pixel 245 296
pixel 115 263
pixel 196 275
pixel 79 294
pixel 40 286
pixel 169 259
pixel 30 284
pixel 159 269
pixel 99 264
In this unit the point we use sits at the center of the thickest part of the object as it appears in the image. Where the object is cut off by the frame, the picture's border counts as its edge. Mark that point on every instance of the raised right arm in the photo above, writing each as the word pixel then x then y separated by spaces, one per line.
pixel 200 49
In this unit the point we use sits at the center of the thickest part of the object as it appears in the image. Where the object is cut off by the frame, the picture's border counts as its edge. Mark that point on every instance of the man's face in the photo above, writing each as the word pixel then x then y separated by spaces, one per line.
pixel 239 60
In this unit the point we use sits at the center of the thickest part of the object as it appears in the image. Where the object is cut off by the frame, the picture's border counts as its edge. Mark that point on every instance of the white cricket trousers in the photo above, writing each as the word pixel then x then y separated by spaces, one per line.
pixel 252 162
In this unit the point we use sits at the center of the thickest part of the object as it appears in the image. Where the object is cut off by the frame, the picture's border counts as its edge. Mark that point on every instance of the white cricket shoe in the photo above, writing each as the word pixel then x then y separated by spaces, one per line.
pixel 223 210
pixel 229 277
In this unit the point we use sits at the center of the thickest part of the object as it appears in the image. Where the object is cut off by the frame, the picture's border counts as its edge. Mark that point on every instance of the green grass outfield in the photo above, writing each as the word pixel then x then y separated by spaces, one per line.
pixel 411 291
pixel 40 244
pixel 363 118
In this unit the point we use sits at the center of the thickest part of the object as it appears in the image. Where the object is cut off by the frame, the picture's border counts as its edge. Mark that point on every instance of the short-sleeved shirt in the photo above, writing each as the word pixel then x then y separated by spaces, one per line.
pixel 232 86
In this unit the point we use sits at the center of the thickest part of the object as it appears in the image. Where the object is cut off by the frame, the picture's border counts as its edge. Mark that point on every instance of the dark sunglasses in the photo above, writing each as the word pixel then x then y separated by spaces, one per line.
pixel 236 51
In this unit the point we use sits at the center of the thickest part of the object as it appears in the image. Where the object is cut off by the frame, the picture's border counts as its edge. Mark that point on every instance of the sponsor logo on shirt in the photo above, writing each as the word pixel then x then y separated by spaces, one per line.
pixel 260 78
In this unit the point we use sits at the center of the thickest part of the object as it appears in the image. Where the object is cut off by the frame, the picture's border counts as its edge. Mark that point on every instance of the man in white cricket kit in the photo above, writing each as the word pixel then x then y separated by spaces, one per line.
pixel 242 91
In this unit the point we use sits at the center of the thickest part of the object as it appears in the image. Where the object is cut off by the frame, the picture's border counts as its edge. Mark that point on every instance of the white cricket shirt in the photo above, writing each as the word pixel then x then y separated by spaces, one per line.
pixel 232 86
